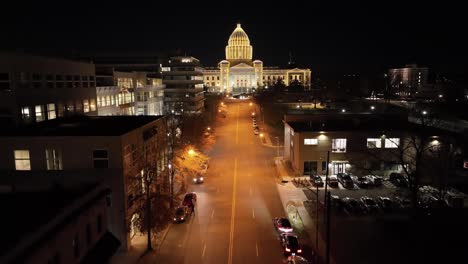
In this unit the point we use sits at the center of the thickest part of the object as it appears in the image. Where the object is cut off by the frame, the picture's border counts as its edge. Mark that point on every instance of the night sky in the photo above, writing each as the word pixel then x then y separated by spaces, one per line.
pixel 332 38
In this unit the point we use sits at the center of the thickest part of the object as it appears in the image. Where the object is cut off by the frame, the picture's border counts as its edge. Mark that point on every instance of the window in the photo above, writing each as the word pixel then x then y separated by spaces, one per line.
pixel 51 111
pixel 92 105
pixel 374 143
pixel 310 141
pixel 99 224
pixel 100 159
pixel 25 113
pixel 53 159
pixel 86 106
pixel 324 167
pixel 88 234
pixel 22 160
pixel 339 145
pixel 40 116
pixel 392 142
pixel 76 246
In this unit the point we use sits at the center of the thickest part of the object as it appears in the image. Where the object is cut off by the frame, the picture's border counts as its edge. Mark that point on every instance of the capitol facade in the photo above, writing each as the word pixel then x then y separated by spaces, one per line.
pixel 238 73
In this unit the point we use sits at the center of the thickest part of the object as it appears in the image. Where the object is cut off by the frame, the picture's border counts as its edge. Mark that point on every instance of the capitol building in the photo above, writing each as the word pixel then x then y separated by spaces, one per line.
pixel 239 73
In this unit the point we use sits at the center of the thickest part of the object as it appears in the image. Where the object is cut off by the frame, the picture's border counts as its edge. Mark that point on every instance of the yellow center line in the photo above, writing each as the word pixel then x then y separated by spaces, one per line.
pixel 233 213
pixel 237 126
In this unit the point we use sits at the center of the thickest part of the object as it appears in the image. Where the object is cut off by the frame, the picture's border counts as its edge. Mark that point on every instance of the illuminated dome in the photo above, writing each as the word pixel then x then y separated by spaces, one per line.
pixel 239 48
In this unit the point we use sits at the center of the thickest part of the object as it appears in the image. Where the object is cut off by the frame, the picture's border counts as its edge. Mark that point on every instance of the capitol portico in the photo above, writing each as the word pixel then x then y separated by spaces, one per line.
pixel 238 73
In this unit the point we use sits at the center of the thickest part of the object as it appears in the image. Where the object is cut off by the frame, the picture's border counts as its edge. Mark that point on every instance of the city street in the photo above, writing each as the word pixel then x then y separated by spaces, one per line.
pixel 236 204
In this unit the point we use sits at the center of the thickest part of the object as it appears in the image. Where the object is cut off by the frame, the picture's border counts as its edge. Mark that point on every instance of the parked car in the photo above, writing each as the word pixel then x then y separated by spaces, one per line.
pixel 336 202
pixel 454 198
pixel 256 131
pixel 428 201
pixel 290 244
pixel 375 180
pixel 282 224
pixel 316 180
pixel 361 181
pixel 369 205
pixel 254 124
pixel 190 199
pixel 181 214
pixel 402 203
pixel 345 180
pixel 351 206
pixel 398 179
pixel 332 181
pixel 385 203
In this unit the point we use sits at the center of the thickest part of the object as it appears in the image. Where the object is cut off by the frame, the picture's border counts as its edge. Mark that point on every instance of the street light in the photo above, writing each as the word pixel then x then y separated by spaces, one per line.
pixel 424 112
pixel 250 104
pixel 191 152
pixel 343 110
pixel 261 135
pixel 208 128
pixel 372 107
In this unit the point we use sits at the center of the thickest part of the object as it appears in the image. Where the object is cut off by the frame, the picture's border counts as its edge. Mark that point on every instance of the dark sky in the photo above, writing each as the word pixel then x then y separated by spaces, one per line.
pixel 356 37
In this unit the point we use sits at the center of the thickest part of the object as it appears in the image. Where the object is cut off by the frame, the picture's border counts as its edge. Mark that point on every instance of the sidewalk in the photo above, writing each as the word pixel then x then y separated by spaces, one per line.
pixel 293 199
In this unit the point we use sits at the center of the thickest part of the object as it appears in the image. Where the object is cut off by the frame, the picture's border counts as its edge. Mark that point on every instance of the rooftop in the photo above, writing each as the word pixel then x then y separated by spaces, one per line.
pixel 351 122
pixel 82 126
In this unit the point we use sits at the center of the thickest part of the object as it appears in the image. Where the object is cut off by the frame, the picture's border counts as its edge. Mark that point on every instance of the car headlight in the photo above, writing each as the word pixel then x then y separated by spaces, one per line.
pixel 195 180
pixel 182 218
pixel 201 178
pixel 175 219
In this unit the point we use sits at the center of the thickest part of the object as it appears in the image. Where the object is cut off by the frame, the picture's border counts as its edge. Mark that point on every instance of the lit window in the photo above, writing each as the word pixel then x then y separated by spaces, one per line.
pixel 39 113
pixel 25 113
pixel 53 159
pixel 85 106
pixel 339 145
pixel 392 142
pixel 100 159
pixel 92 105
pixel 22 160
pixel 310 141
pixel 51 111
pixel 374 143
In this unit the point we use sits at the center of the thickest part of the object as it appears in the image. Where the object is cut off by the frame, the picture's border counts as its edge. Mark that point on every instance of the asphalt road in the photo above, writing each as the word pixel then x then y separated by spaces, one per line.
pixel 236 204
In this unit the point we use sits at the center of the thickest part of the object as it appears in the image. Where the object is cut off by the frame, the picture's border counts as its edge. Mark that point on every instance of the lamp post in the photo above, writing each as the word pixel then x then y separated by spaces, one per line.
pixel 171 184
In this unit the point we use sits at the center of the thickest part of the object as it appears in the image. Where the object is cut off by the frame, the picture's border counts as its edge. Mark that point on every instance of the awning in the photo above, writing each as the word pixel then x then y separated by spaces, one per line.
pixel 104 249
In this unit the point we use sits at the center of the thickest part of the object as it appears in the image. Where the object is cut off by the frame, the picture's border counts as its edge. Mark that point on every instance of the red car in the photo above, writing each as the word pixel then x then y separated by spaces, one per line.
pixel 282 224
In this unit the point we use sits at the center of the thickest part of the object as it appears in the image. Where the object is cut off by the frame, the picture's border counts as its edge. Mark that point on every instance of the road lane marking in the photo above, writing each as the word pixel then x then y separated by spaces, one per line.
pixel 212 214
pixel 204 248
pixel 233 213
pixel 237 126
pixel 253 213
pixel 256 248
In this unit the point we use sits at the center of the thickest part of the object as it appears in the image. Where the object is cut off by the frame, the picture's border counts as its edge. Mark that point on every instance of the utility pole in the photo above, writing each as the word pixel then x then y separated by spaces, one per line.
pixel 327 254
pixel 326 183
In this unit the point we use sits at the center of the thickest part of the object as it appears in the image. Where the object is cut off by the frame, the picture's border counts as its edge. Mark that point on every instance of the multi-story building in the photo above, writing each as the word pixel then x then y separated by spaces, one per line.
pixel 357 143
pixel 128 93
pixel 238 73
pixel 183 77
pixel 57 224
pixel 409 80
pixel 113 150
pixel 34 88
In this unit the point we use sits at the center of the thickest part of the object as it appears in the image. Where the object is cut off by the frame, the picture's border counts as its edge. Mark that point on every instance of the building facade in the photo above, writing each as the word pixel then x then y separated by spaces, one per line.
pixel 409 80
pixel 34 88
pixel 104 149
pixel 128 93
pixel 238 73
pixel 183 80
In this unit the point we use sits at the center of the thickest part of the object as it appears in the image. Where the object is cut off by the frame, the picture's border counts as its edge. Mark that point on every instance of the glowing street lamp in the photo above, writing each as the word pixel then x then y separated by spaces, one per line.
pixel 372 107
pixel 191 152
pixel 208 128
pixel 343 110
pixel 253 113
pixel 250 104
pixel 261 135
pixel 424 112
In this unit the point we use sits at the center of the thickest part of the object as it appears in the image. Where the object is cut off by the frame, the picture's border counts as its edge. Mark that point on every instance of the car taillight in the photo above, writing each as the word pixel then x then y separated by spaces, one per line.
pixel 299 251
pixel 288 250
